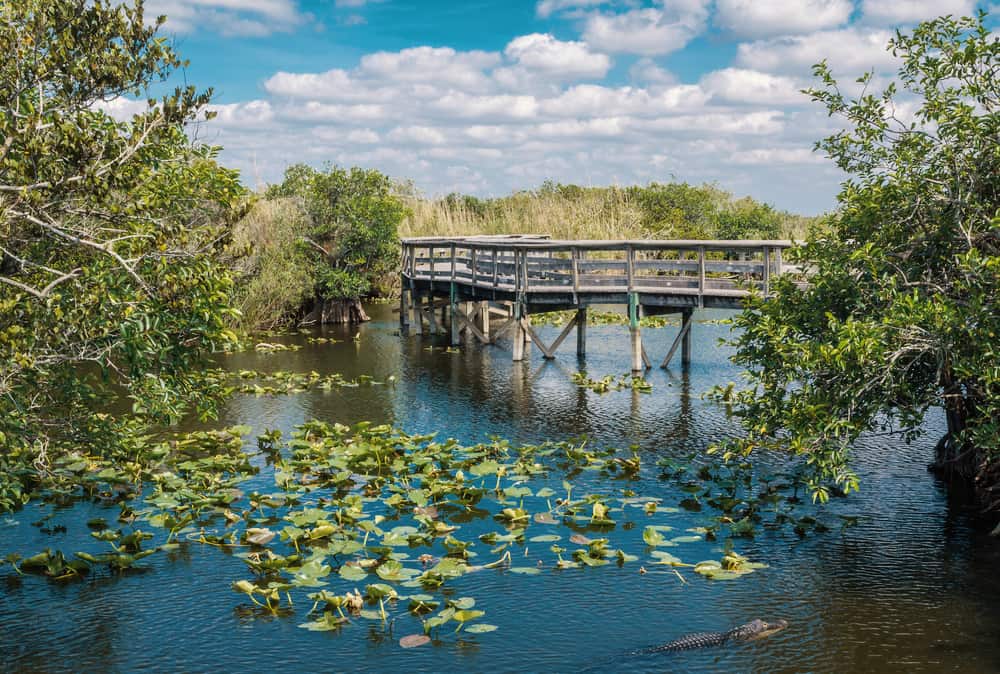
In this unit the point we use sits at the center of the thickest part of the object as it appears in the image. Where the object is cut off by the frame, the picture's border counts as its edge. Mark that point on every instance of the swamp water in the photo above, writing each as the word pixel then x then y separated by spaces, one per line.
pixel 913 586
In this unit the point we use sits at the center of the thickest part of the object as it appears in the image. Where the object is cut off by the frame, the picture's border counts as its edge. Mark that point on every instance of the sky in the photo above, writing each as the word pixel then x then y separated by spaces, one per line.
pixel 490 96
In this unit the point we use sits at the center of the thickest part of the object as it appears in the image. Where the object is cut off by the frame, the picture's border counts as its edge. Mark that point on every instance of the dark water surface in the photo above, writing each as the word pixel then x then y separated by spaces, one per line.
pixel 915 587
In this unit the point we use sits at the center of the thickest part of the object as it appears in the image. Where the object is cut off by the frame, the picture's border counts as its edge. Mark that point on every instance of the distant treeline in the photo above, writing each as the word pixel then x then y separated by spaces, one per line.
pixel 656 210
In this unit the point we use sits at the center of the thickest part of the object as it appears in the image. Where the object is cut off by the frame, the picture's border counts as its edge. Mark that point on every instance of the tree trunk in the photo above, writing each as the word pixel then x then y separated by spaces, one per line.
pixel 336 311
pixel 962 464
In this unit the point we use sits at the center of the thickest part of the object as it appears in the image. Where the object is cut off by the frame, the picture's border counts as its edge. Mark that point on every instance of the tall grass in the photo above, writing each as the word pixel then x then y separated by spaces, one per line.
pixel 572 212
pixel 590 214
pixel 274 278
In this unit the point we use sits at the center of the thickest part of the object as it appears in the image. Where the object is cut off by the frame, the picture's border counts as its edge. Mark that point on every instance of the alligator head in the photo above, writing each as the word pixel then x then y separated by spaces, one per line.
pixel 757 629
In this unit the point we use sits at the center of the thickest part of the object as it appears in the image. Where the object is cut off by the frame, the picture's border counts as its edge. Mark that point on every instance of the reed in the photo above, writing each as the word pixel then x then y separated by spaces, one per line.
pixel 572 212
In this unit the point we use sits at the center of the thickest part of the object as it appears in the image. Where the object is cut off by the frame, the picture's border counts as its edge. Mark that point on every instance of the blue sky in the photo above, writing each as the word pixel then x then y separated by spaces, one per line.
pixel 491 96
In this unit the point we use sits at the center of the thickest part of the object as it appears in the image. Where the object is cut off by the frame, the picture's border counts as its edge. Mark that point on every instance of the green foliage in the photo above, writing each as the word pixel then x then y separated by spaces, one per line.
pixel 108 233
pixel 747 219
pixel 350 232
pixel 902 311
pixel 679 210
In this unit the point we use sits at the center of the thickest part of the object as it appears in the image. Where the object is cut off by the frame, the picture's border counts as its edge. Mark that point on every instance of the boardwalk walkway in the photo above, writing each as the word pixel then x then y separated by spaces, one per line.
pixel 479 278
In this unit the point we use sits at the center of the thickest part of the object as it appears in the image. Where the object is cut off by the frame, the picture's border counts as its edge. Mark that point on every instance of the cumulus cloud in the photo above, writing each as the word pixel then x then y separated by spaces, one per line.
pixel 247 18
pixel 648 31
pixel 765 18
pixel 646 71
pixel 540 108
pixel 417 135
pixel 544 53
pixel 851 50
pixel 122 109
pixel 441 65
pixel 894 13
pixel 771 156
pixel 741 86
pixel 546 8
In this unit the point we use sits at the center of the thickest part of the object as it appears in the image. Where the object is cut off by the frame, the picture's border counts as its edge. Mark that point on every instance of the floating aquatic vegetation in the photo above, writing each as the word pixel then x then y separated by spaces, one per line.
pixel 744 501
pixel 365 523
pixel 561 318
pixel 733 565
pixel 268 347
pixel 634 382
pixel 285 383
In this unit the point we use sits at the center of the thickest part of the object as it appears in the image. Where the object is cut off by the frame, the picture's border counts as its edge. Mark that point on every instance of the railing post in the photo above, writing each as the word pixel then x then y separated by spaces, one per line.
pixel 453 263
pixel 430 256
pixel 456 333
pixel 629 268
pixel 473 256
pixel 495 269
pixel 575 253
pixel 701 276
pixel 767 270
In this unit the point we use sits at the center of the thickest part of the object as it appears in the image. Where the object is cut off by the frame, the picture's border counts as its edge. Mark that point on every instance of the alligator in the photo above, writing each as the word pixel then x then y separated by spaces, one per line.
pixel 755 629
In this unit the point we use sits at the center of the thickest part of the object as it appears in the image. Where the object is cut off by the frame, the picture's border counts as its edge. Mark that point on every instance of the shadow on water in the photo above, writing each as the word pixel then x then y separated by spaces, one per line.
pixel 912 588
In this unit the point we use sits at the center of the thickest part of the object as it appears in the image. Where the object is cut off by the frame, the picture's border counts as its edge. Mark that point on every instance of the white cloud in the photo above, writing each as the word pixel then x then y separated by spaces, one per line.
pixel 738 85
pixel 895 12
pixel 546 8
pixel 646 71
pixel 467 106
pixel 439 65
pixel 648 31
pixel 418 135
pixel 362 137
pixel 771 156
pixel 250 113
pixel 122 109
pixel 851 50
pixel 759 123
pixel 545 54
pixel 496 121
pixel 248 18
pixel 768 18
pixel 591 100
pixel 332 112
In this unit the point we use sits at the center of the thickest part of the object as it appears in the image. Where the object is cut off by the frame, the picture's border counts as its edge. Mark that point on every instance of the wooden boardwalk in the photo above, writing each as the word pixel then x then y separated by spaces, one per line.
pixel 479 281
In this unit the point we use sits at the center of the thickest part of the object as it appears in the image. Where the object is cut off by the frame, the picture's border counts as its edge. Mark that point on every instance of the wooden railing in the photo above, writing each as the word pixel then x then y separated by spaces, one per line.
pixel 539 265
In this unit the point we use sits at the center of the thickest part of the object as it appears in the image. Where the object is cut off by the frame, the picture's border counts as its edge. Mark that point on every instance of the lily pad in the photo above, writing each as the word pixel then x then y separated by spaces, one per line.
pixel 414 640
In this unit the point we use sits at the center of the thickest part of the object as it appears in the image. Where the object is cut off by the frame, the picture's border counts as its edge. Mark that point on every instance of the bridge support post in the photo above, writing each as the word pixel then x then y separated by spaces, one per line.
pixel 432 322
pixel 484 319
pixel 686 344
pixel 456 327
pixel 519 333
pixel 581 331
pixel 634 330
pixel 682 340
pixel 416 302
pixel 404 305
